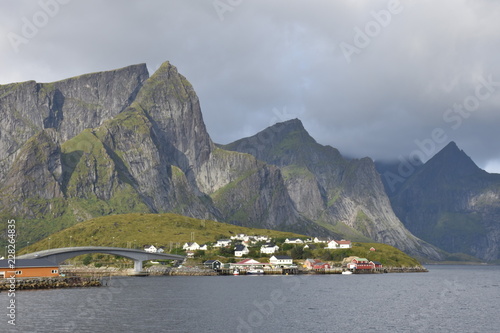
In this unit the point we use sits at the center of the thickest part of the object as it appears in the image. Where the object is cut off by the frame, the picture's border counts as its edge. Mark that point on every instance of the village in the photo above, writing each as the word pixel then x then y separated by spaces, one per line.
pixel 280 256
pixel 239 254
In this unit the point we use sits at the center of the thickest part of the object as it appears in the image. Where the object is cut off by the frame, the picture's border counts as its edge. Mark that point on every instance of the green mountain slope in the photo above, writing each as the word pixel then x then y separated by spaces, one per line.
pixel 136 230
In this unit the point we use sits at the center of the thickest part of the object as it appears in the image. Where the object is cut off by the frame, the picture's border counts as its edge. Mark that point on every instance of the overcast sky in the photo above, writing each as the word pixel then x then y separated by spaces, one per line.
pixel 371 78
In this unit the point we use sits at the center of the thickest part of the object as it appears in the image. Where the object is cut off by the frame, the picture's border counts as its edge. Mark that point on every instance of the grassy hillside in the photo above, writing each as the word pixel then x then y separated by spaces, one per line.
pixel 386 254
pixel 136 230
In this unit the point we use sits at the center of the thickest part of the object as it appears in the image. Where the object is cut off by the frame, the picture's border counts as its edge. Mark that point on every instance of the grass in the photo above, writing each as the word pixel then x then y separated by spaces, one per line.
pixel 386 254
pixel 136 230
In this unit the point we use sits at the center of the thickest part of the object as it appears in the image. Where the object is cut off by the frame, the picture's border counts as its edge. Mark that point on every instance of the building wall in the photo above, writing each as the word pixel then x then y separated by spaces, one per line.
pixel 32 272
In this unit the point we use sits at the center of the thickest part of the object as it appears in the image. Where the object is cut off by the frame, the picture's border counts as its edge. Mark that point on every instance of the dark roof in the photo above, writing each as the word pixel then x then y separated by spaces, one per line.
pixel 239 247
pixel 20 263
pixel 210 262
pixel 283 257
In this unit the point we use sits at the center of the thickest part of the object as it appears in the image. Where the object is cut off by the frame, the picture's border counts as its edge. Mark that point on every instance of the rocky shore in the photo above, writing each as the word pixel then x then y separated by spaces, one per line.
pixel 181 271
pixel 49 283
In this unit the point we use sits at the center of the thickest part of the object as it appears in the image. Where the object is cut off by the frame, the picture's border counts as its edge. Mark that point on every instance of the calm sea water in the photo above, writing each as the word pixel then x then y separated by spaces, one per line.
pixel 447 299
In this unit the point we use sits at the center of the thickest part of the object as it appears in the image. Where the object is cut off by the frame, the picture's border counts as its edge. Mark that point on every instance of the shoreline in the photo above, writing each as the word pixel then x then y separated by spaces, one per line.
pixel 84 278
pixel 52 283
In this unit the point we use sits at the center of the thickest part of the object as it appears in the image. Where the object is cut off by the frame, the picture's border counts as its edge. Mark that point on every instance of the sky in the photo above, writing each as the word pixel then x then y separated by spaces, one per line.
pixel 384 79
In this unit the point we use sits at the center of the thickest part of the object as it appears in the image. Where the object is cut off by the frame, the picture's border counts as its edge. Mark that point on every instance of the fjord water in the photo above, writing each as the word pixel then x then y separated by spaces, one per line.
pixel 447 299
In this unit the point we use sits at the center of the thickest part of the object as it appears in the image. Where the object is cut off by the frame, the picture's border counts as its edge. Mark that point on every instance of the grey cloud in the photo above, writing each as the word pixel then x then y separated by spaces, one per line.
pixel 272 60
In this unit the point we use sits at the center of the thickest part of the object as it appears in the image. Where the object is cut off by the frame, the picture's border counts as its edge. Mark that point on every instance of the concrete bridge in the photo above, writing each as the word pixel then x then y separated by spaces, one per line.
pixel 58 255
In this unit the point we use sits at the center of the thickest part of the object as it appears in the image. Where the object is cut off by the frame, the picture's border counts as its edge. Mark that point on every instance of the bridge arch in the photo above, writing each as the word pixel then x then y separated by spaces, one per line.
pixel 59 255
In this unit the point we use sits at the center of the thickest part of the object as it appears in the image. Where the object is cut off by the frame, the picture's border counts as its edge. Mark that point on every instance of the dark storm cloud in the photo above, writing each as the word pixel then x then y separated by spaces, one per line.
pixel 372 78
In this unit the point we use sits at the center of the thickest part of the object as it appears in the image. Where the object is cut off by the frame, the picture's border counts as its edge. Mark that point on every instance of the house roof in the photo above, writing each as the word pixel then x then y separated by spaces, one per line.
pixel 247 262
pixel 361 259
pixel 208 262
pixel 240 247
pixel 20 263
pixel 344 242
pixel 282 257
pixel 320 264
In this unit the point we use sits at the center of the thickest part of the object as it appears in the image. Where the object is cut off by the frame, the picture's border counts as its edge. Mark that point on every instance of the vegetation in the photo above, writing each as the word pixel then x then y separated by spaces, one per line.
pixel 135 230
pixel 172 231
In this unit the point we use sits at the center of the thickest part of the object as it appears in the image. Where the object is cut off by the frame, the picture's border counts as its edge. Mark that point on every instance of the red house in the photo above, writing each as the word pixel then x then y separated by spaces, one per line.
pixel 362 263
pixel 321 265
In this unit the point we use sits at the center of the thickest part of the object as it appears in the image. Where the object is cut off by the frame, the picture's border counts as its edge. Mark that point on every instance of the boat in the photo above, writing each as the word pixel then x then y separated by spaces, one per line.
pixel 346 273
pixel 255 271
pixel 236 272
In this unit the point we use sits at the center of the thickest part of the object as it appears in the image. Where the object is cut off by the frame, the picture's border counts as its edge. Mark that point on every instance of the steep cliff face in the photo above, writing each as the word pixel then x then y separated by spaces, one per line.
pixel 36 172
pixel 347 195
pixel 69 106
pixel 452 203
pixel 121 141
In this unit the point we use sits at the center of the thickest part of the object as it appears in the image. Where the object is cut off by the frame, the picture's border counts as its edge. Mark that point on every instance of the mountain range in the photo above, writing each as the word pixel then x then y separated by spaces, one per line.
pixel 123 141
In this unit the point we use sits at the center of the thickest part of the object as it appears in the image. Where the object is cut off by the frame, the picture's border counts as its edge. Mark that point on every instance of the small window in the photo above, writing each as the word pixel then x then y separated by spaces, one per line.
pixel 54 271
pixel 19 272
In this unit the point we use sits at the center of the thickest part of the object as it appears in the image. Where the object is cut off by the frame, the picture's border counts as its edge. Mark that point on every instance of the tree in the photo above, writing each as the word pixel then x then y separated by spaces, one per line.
pixel 297 252
pixel 326 255
pixel 87 259
pixel 199 253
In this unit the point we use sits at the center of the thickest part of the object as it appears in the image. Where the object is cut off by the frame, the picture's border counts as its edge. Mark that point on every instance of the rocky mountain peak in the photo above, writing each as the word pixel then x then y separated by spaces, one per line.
pixel 451 163
pixel 171 104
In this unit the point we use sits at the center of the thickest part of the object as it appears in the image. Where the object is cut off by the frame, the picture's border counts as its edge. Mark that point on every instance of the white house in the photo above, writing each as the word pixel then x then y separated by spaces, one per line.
pixel 203 247
pixel 269 248
pixel 240 250
pixel 192 246
pixel 341 244
pixel 241 237
pixel 320 240
pixel 150 248
pixel 262 238
pixel 281 260
pixel 223 243
pixel 332 245
pixel 294 241
pixel 344 244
